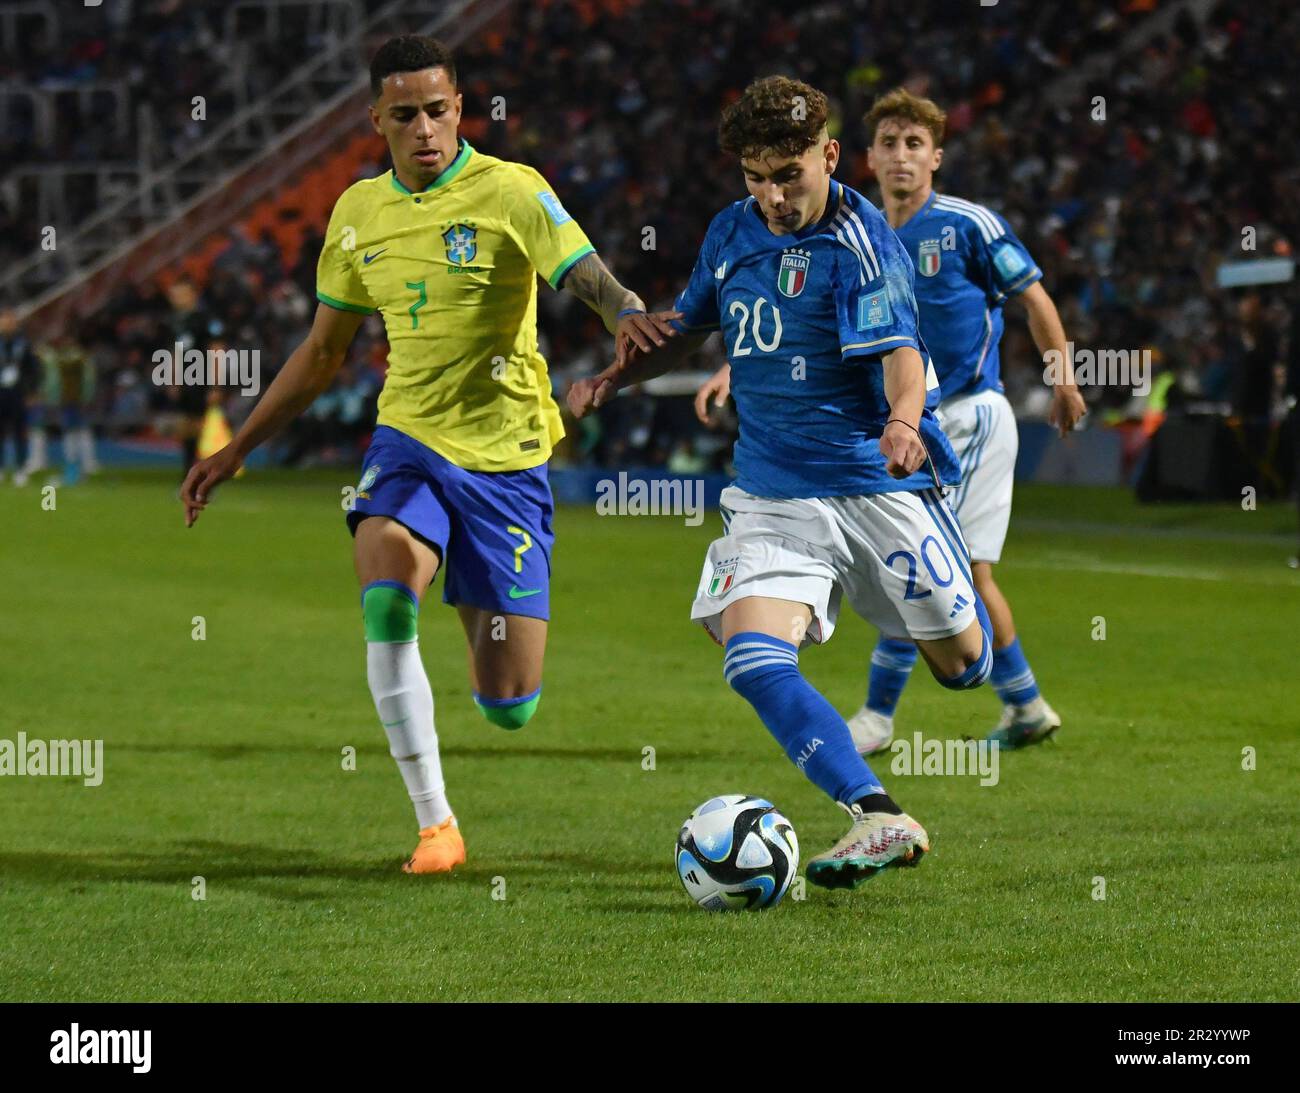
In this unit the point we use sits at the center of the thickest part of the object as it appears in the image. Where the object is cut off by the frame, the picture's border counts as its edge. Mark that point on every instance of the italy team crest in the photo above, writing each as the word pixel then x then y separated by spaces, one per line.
pixel 461 244
pixel 793 274
pixel 927 258
pixel 724 573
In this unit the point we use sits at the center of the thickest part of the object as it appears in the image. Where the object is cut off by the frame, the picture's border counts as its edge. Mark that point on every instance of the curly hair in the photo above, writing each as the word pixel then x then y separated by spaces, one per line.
pixel 409 53
pixel 901 105
pixel 774 114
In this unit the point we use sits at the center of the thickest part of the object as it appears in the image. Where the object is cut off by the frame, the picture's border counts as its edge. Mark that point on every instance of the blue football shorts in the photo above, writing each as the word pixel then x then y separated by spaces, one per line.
pixel 491 528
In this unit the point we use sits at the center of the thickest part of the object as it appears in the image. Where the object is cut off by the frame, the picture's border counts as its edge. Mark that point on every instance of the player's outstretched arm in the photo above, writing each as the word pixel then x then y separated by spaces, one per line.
pixel 306 373
pixel 636 367
pixel 1048 334
pixel 901 443
pixel 619 308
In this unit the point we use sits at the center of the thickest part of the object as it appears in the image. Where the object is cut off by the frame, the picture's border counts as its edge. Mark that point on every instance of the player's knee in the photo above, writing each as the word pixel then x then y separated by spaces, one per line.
pixel 976 668
pixel 509 713
pixel 390 610
pixel 754 661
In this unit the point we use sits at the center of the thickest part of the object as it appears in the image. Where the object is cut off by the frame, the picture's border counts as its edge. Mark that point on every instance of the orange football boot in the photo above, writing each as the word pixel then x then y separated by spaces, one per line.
pixel 441 849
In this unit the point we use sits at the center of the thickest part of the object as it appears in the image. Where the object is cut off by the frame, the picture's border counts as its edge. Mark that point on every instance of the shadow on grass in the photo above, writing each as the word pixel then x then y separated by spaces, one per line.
pixel 272 871
pixel 215 862
pixel 506 750
pixel 562 864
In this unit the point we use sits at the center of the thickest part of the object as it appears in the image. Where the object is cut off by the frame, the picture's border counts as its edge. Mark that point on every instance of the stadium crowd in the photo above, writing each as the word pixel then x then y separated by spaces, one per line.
pixel 121 78
pixel 616 103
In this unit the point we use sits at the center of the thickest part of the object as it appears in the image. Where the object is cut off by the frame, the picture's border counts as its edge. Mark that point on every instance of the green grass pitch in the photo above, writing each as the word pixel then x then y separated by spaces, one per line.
pixel 223 760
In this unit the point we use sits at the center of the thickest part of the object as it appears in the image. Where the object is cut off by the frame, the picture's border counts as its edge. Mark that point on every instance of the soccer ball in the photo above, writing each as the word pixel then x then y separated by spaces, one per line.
pixel 737 853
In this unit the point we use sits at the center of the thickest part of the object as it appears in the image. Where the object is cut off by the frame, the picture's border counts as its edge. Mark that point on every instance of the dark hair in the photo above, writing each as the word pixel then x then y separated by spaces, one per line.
pixel 409 53
pixel 775 113
pixel 901 105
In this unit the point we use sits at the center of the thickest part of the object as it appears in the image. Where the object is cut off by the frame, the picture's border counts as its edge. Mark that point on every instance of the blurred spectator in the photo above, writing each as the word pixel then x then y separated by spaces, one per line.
pixel 19 377
pixel 1293 419
pixel 1257 358
pixel 66 396
pixel 617 104
pixel 189 327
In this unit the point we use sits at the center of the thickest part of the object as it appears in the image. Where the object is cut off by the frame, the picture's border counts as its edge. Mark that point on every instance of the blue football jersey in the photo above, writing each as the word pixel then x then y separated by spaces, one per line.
pixel 805 320
pixel 968 264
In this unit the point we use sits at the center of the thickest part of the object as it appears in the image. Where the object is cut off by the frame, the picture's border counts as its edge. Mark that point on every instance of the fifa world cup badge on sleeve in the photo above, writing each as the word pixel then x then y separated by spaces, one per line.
pixel 554 209
pixel 873 310
pixel 1008 260
pixel 723 574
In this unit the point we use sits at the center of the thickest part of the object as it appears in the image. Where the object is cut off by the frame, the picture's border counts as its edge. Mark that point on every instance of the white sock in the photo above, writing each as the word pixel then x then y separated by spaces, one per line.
pixel 35 451
pixel 87 460
pixel 404 701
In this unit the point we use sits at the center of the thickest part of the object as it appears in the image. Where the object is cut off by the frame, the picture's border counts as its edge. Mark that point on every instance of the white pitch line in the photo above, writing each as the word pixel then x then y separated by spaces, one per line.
pixel 1092 565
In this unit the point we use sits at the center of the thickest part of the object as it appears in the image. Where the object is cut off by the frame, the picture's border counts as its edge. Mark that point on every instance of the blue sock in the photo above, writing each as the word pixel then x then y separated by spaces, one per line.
pixel 765 672
pixel 1012 677
pixel 891 667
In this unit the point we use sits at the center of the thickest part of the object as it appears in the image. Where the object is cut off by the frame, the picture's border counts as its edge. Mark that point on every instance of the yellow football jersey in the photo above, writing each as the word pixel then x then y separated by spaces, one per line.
pixel 453 269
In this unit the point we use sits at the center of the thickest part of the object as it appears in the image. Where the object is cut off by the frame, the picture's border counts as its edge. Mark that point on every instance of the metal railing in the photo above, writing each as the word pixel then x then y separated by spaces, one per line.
pixel 337 18
pixel 175 208
pixel 143 147
pixel 1067 87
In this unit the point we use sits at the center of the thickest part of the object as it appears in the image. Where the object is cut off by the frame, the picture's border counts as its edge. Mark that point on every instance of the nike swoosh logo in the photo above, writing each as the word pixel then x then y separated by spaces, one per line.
pixel 368 258
pixel 517 593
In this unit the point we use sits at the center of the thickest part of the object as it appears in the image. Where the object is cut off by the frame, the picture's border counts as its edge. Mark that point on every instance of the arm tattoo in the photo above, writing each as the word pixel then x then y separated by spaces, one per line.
pixel 592 283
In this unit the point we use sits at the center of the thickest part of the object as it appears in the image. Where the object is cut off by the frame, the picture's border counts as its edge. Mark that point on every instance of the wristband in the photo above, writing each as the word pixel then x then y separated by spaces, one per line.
pixel 902 422
pixel 631 311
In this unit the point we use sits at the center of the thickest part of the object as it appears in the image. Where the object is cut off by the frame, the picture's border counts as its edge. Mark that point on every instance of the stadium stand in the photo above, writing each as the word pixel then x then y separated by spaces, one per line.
pixel 1128 215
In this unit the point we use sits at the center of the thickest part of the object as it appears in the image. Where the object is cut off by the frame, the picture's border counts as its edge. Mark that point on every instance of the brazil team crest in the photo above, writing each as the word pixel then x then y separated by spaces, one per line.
pixel 724 573
pixel 927 258
pixel 461 244
pixel 793 274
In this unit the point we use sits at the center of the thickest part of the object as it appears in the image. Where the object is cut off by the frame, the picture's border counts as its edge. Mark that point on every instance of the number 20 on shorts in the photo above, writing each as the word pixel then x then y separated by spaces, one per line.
pixel 910 558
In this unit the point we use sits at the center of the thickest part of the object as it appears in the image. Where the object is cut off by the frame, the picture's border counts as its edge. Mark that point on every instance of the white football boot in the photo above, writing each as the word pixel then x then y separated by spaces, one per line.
pixel 1023 725
pixel 872 731
pixel 876 840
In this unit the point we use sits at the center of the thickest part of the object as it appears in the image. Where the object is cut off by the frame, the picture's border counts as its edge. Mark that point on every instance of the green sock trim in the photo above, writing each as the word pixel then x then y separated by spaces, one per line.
pixel 390 612
pixel 510 717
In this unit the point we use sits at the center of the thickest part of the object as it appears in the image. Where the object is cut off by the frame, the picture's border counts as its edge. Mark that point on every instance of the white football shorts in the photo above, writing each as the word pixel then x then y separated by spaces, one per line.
pixel 982 431
pixel 899 559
